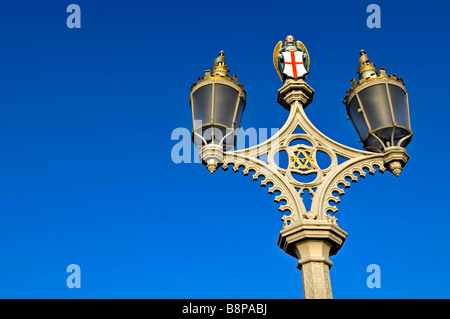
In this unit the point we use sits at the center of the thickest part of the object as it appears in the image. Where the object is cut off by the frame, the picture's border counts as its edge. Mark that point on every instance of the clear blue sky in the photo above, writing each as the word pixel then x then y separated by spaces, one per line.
pixel 86 175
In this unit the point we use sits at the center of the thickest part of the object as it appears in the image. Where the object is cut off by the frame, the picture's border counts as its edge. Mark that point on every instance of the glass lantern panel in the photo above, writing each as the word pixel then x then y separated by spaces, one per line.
pixel 219 134
pixel 239 113
pixel 358 118
pixel 225 99
pixel 385 134
pixel 202 104
pixel 398 98
pixel 198 142
pixel 399 134
pixel 207 133
pixel 404 143
pixel 211 133
pixel 373 144
pixel 200 134
pixel 375 103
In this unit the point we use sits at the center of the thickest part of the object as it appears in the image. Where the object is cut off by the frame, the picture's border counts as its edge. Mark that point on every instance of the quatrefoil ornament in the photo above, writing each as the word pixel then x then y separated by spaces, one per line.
pixel 302 157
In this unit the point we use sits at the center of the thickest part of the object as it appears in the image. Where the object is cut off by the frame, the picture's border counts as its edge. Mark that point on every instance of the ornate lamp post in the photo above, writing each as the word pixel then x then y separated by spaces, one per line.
pixel 377 105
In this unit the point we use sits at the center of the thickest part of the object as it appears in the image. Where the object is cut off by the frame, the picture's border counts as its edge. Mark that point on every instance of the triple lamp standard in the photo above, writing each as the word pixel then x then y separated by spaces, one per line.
pixel 377 105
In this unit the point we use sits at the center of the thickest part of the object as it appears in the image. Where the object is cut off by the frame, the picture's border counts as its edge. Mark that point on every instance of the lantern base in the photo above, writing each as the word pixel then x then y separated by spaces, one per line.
pixel 396 158
pixel 211 156
pixel 395 167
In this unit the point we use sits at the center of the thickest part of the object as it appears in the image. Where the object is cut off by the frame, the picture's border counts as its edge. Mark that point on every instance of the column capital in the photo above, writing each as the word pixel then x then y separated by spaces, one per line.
pixel 317 230
pixel 295 90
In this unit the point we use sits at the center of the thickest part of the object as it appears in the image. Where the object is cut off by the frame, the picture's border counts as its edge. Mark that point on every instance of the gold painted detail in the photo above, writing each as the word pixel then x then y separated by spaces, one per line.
pixel 302 158
pixel 219 72
pixel 367 72
pixel 276 51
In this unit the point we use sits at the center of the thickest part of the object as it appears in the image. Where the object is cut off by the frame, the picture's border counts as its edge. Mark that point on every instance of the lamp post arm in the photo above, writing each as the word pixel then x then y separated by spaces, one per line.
pixel 344 174
pixel 293 209
pixel 338 148
pixel 347 170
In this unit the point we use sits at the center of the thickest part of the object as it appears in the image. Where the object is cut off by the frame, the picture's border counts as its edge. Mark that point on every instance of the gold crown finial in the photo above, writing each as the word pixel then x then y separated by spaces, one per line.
pixel 219 67
pixel 219 71
pixel 367 73
pixel 366 68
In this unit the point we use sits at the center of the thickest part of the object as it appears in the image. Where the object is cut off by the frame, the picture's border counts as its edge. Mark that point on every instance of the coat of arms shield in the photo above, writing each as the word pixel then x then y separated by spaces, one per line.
pixel 293 64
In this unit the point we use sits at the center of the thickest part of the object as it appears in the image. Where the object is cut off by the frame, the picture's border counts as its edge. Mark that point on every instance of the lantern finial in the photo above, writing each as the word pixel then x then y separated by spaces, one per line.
pixel 366 68
pixel 220 67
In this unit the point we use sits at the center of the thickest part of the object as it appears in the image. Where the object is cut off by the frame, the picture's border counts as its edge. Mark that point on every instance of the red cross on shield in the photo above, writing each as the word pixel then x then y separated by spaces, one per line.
pixel 293 64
